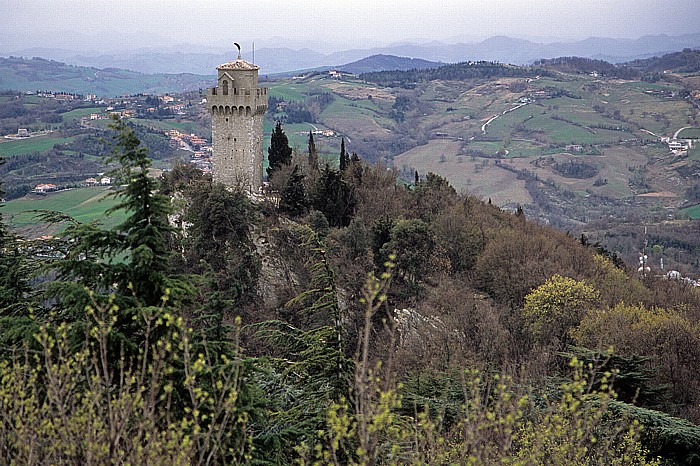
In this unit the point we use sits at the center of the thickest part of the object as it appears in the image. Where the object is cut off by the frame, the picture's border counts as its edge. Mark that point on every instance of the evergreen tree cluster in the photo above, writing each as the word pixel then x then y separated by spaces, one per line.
pixel 454 72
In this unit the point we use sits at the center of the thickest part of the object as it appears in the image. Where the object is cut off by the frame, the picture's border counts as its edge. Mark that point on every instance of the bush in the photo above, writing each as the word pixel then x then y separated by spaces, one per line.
pixel 556 306
pixel 170 406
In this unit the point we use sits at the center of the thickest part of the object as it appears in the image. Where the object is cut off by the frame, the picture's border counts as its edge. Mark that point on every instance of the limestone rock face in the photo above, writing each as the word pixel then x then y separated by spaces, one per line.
pixel 276 277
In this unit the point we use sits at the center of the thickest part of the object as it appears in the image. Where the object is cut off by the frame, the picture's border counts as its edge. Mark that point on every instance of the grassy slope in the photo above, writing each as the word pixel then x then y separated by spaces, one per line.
pixel 692 212
pixel 607 112
pixel 83 204
pixel 35 74
pixel 28 145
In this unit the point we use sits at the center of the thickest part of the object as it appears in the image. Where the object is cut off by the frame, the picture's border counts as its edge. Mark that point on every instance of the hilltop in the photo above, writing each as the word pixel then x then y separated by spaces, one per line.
pixel 383 62
pixel 476 307
pixel 48 75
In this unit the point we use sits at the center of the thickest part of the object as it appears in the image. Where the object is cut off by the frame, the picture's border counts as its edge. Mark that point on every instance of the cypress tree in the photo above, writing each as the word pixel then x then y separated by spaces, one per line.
pixel 279 153
pixel 313 153
pixel 293 196
pixel 344 158
pixel 334 197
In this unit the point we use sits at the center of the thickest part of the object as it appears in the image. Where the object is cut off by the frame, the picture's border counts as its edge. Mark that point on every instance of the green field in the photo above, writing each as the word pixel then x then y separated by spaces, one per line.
pixel 286 91
pixel 187 127
pixel 83 204
pixel 480 177
pixel 79 113
pixel 29 145
pixel 692 212
pixel 689 133
pixel 694 153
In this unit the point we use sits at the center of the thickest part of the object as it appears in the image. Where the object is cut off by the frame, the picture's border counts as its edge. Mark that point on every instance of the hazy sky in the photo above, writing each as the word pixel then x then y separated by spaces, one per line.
pixel 359 22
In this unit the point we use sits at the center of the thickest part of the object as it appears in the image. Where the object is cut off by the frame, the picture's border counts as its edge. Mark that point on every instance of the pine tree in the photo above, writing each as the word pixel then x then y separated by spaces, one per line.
pixel 313 153
pixel 279 153
pixel 142 234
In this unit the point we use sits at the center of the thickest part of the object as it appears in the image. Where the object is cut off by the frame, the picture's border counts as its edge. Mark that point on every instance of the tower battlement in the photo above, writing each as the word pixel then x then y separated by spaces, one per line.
pixel 237 106
pixel 248 101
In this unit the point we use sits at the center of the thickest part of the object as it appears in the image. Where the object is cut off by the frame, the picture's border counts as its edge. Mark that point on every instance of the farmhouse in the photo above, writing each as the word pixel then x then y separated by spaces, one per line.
pixel 44 188
pixel 680 145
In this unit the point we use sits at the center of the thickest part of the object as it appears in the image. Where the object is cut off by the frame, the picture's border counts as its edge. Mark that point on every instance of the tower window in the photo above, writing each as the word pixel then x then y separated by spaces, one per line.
pixel 226 120
pixel 225 87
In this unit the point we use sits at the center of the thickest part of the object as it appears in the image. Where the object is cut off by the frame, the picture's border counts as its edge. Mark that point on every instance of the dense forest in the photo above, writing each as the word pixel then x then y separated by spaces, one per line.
pixel 687 61
pixel 346 318
pixel 456 72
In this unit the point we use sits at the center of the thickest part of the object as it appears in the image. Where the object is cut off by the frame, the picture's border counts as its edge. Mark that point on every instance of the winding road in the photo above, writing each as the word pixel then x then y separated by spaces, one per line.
pixel 675 136
pixel 483 127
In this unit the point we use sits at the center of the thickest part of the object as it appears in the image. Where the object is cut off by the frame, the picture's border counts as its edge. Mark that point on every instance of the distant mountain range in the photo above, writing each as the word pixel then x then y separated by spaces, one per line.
pixel 50 75
pixel 188 59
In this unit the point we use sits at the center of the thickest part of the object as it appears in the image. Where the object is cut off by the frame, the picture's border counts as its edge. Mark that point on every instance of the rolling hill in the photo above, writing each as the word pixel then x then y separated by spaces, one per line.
pixel 48 75
pixel 289 56
pixel 383 62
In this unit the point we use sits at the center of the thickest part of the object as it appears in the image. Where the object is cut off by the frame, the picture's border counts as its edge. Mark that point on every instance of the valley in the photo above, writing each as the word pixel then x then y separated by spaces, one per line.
pixel 582 145
pixel 347 233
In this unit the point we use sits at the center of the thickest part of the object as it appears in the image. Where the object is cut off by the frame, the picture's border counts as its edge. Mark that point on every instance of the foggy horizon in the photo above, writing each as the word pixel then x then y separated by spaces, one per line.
pixel 79 25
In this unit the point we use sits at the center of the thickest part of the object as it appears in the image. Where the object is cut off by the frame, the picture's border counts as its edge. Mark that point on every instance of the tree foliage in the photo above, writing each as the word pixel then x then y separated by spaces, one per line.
pixel 454 361
pixel 334 197
pixel 313 152
pixel 413 243
pixel 279 153
pixel 558 305
pixel 129 262
pixel 293 198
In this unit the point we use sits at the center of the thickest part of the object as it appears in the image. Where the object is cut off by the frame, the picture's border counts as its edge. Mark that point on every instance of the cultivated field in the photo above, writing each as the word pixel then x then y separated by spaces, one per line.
pixel 9 148
pixel 479 177
pixel 83 204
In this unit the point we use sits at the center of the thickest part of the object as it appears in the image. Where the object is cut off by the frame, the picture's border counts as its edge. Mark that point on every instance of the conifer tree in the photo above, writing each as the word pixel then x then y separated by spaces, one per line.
pixel 16 295
pixel 344 158
pixel 129 262
pixel 357 169
pixel 293 196
pixel 142 234
pixel 334 197
pixel 279 153
pixel 313 153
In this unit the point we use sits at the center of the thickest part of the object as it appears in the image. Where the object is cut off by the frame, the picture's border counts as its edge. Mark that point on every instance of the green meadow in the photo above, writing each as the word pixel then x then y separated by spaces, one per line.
pixel 83 204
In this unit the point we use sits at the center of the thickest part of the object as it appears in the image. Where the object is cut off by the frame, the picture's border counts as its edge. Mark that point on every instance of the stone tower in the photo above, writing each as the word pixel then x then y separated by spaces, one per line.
pixel 237 107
